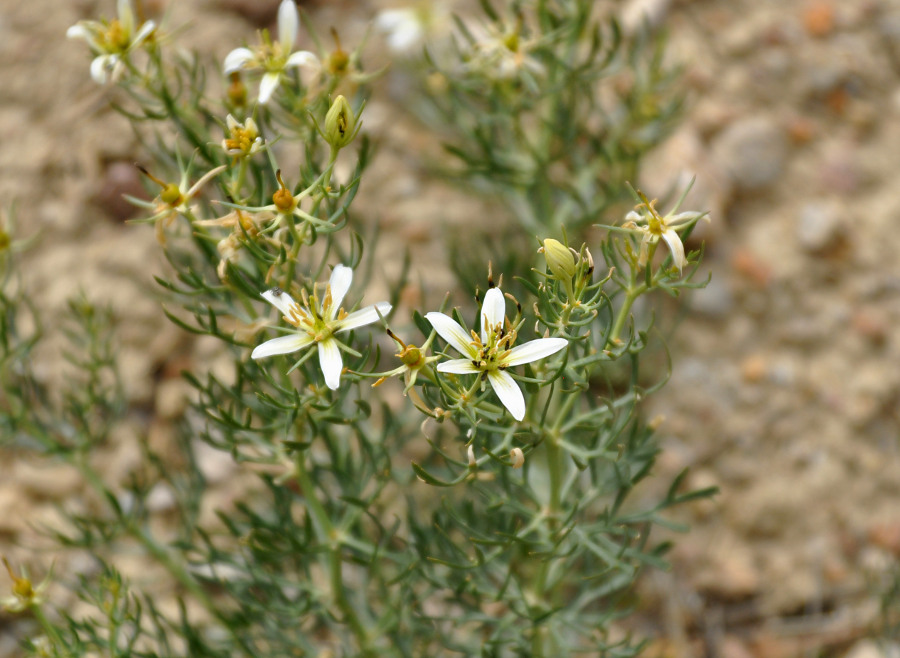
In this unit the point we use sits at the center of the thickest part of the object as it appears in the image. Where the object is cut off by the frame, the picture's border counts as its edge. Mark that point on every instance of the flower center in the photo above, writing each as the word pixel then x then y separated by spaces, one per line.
pixel 492 354
pixel 115 39
pixel 241 139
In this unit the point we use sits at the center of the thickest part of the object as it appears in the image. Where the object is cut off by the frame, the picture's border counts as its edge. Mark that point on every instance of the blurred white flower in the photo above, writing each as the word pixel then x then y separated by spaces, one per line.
pixel 646 220
pixel 505 56
pixel 317 323
pixel 243 138
pixel 111 41
pixel 274 58
pixel 408 29
pixel 491 353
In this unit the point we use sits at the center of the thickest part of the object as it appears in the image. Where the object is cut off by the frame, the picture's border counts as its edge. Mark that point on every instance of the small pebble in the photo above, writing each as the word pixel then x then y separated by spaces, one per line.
pixel 819 19
pixel 818 227
pixel 752 152
pixel 120 178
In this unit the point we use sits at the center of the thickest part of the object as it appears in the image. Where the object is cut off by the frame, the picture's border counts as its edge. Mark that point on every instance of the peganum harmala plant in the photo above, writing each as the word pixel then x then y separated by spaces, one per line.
pixel 512 533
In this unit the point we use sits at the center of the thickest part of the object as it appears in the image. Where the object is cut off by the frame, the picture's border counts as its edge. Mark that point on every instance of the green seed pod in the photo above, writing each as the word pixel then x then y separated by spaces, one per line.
pixel 340 123
pixel 559 259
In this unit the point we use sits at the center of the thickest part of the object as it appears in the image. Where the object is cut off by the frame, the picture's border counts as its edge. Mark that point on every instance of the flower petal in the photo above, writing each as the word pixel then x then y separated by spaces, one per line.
pixel 457 367
pixel 534 350
pixel 280 300
pixel 101 66
pixel 281 345
pixel 126 15
pixel 450 331
pixel 78 31
pixel 341 278
pixel 267 86
pixel 674 241
pixel 684 218
pixel 303 58
pixel 493 311
pixel 509 393
pixel 287 24
pixel 331 362
pixel 237 59
pixel 143 33
pixel 364 316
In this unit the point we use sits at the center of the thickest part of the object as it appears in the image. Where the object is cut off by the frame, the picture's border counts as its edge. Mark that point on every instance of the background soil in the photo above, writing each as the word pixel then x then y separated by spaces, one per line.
pixel 785 385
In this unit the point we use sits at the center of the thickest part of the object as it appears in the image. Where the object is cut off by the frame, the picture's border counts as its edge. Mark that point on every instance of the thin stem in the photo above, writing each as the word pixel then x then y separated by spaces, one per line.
pixel 330 539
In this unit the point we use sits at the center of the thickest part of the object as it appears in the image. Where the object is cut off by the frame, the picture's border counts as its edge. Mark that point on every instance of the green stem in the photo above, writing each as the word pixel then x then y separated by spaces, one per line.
pixel 330 539
pixel 164 557
pixel 48 627
pixel 631 296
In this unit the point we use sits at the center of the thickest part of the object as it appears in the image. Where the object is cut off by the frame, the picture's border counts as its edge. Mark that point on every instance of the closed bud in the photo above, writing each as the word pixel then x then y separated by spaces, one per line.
pixel 559 259
pixel 517 457
pixel 470 453
pixel 340 123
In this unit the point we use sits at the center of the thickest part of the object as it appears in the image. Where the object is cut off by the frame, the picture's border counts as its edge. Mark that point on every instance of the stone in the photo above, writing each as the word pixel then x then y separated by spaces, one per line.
pixel 818 227
pixel 120 178
pixel 752 152
pixel 639 13
pixel 819 19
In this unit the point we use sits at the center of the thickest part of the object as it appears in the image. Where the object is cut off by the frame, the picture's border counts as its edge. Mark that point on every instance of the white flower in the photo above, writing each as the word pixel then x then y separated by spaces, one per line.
pixel 491 353
pixel 646 220
pixel 174 199
pixel 111 41
pixel 406 29
pixel 24 594
pixel 275 58
pixel 504 55
pixel 243 138
pixel 317 324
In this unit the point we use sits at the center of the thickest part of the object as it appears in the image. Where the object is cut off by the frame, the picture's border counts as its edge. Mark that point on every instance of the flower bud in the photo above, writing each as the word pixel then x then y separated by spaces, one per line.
pixel 237 90
pixel 340 123
pixel 559 259
pixel 470 453
pixel 517 457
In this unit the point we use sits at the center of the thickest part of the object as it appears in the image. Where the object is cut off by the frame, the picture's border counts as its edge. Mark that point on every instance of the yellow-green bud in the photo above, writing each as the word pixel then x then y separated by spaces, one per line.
pixel 559 259
pixel 171 195
pixel 340 123
pixel 5 240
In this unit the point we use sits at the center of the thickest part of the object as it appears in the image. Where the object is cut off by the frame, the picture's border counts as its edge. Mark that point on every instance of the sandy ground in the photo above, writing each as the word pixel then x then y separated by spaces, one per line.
pixel 785 386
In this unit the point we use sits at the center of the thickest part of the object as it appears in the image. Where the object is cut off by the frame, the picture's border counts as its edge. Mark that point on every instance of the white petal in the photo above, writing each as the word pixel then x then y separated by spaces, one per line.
pixel 682 218
pixel 280 300
pixel 493 311
pixel 509 393
pixel 126 15
pixel 364 316
pixel 457 367
pixel 237 59
pixel 281 345
pixel 303 58
pixel 78 31
pixel 633 216
pixel 267 86
pixel 331 362
pixel 674 241
pixel 143 33
pixel 341 278
pixel 534 350
pixel 390 19
pixel 287 24
pixel 100 68
pixel 231 122
pixel 450 331
pixel 405 37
